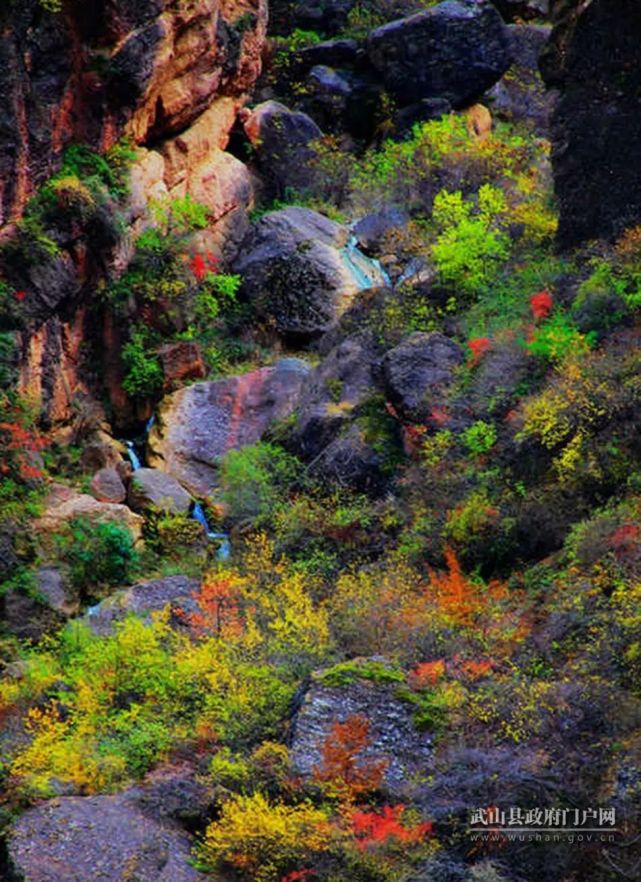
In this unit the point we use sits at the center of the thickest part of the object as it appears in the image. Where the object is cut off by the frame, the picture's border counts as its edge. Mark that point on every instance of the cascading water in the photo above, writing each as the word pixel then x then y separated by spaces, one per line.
pixel 136 446
pixel 134 459
pixel 367 272
pixel 135 452
pixel 224 550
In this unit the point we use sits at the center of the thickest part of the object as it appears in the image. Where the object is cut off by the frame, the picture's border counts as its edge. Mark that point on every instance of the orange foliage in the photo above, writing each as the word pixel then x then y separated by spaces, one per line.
pixel 375 829
pixel 463 600
pixel 343 765
pixel 475 670
pixel 18 447
pixel 426 674
pixel 219 608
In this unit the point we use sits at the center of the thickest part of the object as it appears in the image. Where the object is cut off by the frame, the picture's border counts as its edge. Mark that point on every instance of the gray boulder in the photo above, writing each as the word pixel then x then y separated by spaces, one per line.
pixel 373 229
pixel 151 488
pixel 198 424
pixel 282 140
pixel 301 271
pixel 142 600
pixel 349 461
pixel 418 372
pixel 392 736
pixel 456 50
pixel 87 839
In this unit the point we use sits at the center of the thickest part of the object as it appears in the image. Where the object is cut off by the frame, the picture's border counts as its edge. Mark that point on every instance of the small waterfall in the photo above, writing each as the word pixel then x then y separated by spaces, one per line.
pixel 134 459
pixel 367 272
pixel 136 446
pixel 224 551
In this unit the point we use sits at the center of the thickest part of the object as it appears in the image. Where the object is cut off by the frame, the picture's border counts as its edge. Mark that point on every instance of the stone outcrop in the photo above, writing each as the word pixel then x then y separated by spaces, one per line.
pixel 593 60
pixel 198 424
pixel 521 93
pixel 100 70
pixel 87 839
pixel 301 272
pixel 456 50
pixel 393 738
pixel 171 77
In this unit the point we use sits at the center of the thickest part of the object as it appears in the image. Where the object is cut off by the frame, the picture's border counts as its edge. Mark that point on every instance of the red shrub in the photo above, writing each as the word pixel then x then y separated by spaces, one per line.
pixel 380 828
pixel 541 304
pixel 478 347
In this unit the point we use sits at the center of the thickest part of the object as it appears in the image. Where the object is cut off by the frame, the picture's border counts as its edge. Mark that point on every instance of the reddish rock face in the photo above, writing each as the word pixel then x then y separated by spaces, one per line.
pixel 100 69
pixel 181 361
pixel 198 424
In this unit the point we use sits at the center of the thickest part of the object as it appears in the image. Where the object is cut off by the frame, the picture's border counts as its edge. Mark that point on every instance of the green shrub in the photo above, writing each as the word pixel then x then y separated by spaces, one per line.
pixel 470 245
pixel 557 338
pixel 479 438
pixel 100 554
pixel 143 371
pixel 255 479
pixel 180 215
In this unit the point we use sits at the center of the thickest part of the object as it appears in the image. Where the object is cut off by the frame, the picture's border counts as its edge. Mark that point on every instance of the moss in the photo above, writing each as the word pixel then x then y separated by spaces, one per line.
pixel 345 673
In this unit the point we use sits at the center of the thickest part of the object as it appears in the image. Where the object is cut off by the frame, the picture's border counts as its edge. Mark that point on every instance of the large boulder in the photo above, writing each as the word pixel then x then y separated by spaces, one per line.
pixel 197 425
pixel 393 738
pixel 87 839
pixel 107 486
pixel 456 50
pixel 301 271
pixel 151 488
pixel 593 59
pixel 30 615
pixel 282 140
pixel 142 600
pixel 418 372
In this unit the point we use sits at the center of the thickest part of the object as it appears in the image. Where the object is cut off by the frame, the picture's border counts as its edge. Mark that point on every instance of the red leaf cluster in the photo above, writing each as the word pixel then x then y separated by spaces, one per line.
pixel 203 263
pixel 379 828
pixel 298 876
pixel 541 304
pixel 478 347
pixel 18 446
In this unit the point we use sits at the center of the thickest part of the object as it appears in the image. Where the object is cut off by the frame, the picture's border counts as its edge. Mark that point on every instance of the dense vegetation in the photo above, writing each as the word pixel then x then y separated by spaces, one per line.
pixel 487 579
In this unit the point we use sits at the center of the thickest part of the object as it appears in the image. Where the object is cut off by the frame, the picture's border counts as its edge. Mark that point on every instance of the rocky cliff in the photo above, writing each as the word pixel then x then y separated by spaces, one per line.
pixel 592 59
pixel 167 75
pixel 97 70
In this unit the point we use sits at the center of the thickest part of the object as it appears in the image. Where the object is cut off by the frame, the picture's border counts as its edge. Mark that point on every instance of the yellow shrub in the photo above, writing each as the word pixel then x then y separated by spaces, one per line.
pixel 262 840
